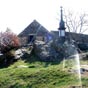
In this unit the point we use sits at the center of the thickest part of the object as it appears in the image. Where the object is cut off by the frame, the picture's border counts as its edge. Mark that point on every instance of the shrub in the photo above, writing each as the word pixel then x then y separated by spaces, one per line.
pixel 8 41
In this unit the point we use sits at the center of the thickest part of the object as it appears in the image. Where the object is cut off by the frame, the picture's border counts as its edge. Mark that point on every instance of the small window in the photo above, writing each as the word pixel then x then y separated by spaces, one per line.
pixel 30 38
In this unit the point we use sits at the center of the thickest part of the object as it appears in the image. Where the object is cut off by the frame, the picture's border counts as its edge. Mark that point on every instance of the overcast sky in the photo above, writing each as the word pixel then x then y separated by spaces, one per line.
pixel 18 14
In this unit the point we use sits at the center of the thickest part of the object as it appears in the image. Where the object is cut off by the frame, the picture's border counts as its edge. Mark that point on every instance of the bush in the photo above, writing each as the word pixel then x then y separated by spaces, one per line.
pixel 8 43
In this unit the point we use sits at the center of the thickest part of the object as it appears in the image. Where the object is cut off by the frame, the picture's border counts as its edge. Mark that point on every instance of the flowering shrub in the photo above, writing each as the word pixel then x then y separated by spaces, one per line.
pixel 8 41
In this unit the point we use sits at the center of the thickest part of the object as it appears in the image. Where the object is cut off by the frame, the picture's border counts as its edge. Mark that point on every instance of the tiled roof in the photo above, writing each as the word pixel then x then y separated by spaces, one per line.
pixel 33 28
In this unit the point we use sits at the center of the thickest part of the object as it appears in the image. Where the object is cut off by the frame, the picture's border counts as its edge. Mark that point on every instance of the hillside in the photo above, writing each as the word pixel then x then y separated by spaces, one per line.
pixel 36 74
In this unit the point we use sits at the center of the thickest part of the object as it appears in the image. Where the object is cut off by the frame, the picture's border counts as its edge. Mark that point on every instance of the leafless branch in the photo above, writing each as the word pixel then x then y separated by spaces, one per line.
pixel 76 23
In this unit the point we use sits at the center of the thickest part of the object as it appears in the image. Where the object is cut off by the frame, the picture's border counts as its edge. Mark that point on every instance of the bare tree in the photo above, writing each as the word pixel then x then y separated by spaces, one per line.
pixel 76 23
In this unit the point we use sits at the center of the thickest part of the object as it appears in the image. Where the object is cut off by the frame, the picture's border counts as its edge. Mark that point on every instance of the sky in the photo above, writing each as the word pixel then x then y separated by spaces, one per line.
pixel 18 14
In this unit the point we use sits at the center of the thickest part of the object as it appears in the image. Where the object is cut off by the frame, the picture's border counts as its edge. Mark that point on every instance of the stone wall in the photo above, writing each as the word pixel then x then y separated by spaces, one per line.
pixel 80 38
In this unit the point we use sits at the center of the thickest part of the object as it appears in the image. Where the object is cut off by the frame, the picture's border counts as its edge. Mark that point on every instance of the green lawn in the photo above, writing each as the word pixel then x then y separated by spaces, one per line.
pixel 37 74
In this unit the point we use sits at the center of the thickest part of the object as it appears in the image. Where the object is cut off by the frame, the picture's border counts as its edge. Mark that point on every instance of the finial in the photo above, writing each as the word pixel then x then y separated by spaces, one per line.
pixel 61 13
pixel 62 24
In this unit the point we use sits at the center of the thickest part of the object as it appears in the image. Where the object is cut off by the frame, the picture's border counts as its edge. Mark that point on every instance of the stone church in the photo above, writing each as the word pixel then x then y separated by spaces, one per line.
pixel 35 31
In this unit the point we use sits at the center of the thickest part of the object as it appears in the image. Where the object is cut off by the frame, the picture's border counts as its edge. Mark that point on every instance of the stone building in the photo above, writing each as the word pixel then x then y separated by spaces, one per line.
pixel 80 38
pixel 62 35
pixel 34 31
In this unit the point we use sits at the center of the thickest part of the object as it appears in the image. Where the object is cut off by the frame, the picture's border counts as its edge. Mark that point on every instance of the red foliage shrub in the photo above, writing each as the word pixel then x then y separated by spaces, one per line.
pixel 8 41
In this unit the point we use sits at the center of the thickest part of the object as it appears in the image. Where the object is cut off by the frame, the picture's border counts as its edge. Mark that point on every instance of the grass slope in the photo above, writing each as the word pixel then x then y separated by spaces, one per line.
pixel 36 75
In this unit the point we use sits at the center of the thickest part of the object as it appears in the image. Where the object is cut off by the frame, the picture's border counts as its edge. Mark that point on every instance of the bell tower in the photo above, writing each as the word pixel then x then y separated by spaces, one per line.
pixel 61 25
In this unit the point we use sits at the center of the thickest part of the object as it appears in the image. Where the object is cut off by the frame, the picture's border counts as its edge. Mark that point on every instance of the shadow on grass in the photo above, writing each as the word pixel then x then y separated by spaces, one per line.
pixel 32 58
pixel 29 58
pixel 4 62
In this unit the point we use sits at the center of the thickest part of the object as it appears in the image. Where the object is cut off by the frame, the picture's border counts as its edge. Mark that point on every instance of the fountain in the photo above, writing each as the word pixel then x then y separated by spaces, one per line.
pixel 77 59
pixel 63 63
pixel 72 55
pixel 69 48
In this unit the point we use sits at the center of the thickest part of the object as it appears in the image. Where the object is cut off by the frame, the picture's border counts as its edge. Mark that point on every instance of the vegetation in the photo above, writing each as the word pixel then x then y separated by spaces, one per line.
pixel 36 74
pixel 8 43
pixel 75 22
pixel 30 72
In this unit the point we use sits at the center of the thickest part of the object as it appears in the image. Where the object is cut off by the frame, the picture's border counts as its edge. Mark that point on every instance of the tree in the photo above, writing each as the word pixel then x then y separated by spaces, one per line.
pixel 8 41
pixel 77 23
